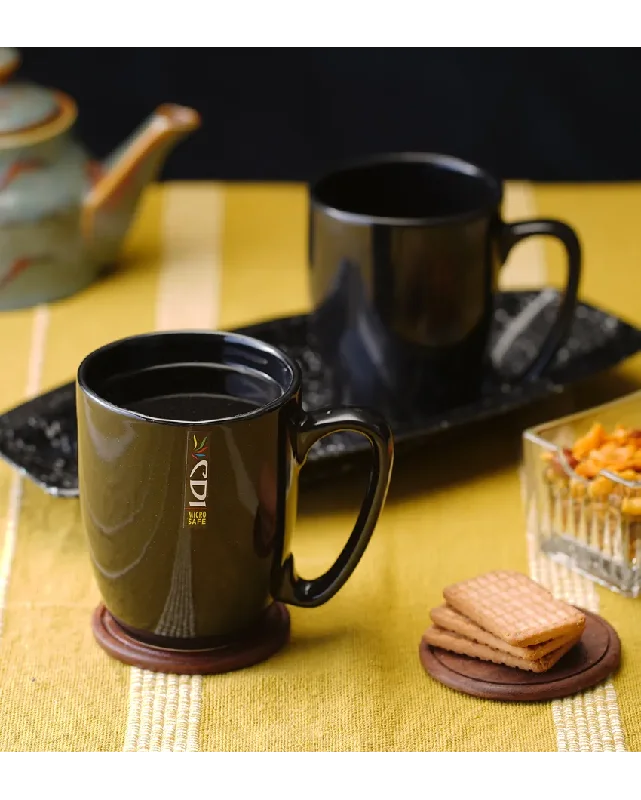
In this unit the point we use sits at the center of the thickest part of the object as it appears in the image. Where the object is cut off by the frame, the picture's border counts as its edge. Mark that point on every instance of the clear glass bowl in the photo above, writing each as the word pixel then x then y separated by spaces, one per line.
pixel 588 525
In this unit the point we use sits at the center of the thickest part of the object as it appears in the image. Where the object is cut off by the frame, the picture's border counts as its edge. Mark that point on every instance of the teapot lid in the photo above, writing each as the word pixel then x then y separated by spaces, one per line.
pixel 29 113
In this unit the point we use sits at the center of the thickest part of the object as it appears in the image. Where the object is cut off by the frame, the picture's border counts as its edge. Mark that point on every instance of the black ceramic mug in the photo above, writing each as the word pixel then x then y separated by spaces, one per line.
pixel 189 448
pixel 404 254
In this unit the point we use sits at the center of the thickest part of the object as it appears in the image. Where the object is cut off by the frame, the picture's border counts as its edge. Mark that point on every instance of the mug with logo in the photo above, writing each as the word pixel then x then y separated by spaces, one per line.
pixel 189 449
pixel 405 252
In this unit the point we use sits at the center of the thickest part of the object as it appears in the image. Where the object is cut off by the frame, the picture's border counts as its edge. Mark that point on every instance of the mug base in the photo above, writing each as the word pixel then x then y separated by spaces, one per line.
pixel 265 640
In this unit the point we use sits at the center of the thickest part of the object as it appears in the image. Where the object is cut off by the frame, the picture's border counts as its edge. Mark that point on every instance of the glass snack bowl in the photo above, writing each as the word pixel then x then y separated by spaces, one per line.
pixel 586 512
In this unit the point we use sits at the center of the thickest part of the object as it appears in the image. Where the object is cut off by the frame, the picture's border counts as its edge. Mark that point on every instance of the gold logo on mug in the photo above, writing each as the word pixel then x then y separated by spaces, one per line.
pixel 196 481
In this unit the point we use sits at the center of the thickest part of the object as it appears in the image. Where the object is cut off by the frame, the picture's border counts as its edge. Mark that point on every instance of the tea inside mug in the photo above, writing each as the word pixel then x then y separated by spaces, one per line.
pixel 409 188
pixel 186 377
pixel 191 392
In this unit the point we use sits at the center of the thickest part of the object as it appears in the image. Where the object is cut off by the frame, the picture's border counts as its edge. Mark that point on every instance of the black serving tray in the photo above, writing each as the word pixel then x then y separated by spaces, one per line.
pixel 40 438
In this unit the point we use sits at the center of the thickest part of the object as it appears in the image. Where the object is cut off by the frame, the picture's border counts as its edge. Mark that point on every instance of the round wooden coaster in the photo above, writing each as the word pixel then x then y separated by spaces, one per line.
pixel 591 661
pixel 258 645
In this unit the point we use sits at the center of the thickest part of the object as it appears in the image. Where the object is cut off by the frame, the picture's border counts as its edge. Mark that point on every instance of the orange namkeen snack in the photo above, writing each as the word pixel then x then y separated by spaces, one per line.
pixel 618 452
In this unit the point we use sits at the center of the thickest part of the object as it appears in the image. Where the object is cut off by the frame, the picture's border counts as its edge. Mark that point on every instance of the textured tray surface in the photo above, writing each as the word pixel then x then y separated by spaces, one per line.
pixel 39 437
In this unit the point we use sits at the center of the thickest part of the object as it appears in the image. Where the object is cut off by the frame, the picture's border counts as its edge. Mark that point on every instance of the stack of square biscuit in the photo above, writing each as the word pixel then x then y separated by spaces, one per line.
pixel 506 618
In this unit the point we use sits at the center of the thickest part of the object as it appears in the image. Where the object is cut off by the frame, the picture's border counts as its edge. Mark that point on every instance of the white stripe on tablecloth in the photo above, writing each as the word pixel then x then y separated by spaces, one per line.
pixel 525 267
pixel 164 710
pixel 589 721
pixel 34 374
pixel 190 277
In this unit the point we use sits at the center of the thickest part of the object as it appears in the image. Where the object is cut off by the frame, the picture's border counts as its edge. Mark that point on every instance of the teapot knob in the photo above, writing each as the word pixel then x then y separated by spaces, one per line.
pixel 9 62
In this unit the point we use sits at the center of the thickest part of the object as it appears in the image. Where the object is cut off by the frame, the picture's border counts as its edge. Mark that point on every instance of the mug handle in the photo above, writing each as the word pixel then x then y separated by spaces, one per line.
pixel 514 232
pixel 308 429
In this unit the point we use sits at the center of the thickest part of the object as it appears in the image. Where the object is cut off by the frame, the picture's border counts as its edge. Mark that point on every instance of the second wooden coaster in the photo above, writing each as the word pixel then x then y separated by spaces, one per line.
pixel 589 662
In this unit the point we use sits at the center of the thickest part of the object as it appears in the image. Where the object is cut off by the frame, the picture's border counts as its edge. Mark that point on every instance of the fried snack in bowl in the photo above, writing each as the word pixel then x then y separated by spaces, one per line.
pixel 583 476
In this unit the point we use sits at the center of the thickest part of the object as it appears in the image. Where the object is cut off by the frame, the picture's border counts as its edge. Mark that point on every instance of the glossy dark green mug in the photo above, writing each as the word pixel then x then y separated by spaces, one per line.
pixel 189 449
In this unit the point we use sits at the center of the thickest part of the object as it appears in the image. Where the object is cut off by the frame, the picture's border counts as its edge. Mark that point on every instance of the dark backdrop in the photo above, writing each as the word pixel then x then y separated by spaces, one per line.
pixel 544 114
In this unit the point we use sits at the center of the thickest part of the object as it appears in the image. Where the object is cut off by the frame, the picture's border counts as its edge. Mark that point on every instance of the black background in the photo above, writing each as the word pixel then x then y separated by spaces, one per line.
pixel 286 114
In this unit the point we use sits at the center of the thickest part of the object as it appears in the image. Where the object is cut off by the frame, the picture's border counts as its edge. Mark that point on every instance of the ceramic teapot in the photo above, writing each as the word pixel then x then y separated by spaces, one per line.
pixel 63 215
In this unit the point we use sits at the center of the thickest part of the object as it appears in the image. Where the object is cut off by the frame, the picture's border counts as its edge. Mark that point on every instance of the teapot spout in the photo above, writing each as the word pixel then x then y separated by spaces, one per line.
pixel 117 183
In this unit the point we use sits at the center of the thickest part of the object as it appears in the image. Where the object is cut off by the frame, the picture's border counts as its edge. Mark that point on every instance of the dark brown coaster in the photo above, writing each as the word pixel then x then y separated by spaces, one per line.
pixel 589 662
pixel 258 645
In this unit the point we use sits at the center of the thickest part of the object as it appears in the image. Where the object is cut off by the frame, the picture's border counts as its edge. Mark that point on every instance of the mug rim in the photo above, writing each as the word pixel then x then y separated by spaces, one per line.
pixel 445 162
pixel 228 337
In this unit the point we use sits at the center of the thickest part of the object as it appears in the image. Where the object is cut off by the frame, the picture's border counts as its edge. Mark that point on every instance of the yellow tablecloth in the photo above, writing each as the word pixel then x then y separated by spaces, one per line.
pixel 219 256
